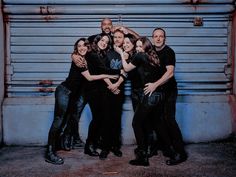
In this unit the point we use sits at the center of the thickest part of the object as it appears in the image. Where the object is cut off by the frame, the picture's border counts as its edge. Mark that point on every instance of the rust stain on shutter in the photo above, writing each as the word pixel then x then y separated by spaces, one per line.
pixel 47 12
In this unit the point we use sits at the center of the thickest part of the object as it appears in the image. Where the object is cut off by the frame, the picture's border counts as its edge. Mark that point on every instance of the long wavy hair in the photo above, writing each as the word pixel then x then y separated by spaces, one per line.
pixel 149 50
pixel 96 49
pixel 86 43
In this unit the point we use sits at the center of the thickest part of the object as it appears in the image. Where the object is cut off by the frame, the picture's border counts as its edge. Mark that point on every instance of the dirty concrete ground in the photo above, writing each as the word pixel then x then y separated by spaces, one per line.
pixel 216 159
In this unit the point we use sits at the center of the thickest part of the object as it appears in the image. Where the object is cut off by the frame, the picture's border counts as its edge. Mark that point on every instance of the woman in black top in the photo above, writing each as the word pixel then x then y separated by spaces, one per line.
pixel 65 98
pixel 148 68
pixel 94 93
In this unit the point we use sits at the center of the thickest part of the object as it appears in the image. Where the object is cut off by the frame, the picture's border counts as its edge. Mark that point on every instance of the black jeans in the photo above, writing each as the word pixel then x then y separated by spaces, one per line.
pixel 97 101
pixel 142 121
pixel 115 103
pixel 135 98
pixel 170 121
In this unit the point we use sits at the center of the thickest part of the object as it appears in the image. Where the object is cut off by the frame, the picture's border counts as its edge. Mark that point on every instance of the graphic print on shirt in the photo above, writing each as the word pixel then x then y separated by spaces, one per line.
pixel 115 63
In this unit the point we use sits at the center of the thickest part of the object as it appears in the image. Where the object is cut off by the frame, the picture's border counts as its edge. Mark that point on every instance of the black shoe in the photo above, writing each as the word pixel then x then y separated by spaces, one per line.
pixel 90 150
pixel 78 143
pixel 179 158
pixel 103 155
pixel 141 158
pixel 67 141
pixel 169 152
pixel 52 157
pixel 151 151
pixel 139 162
pixel 117 152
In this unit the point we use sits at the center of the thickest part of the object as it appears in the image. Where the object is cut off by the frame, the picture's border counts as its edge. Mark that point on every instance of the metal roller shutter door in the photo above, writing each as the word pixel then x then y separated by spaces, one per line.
pixel 40 37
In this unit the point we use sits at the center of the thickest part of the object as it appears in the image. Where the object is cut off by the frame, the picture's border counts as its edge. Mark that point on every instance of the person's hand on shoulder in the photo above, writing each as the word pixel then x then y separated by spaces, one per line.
pixel 79 60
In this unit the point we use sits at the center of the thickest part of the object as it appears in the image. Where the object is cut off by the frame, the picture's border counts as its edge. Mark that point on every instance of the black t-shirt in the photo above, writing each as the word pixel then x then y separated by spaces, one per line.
pixel 134 76
pixel 75 79
pixel 147 72
pixel 113 61
pixel 97 65
pixel 167 57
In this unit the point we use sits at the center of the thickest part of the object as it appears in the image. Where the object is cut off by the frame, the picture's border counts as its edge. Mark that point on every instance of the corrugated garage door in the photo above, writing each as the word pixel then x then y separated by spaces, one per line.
pixel 41 34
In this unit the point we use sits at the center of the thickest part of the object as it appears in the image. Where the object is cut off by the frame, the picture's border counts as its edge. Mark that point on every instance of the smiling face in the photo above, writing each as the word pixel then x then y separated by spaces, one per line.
pixel 159 38
pixel 103 43
pixel 82 48
pixel 139 46
pixel 106 25
pixel 118 38
pixel 128 45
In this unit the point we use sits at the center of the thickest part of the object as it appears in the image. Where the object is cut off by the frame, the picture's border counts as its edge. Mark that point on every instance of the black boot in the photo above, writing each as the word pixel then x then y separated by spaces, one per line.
pixel 151 151
pixel 66 142
pixel 116 151
pixel 169 151
pixel 90 150
pixel 141 158
pixel 78 143
pixel 103 155
pixel 52 157
pixel 177 159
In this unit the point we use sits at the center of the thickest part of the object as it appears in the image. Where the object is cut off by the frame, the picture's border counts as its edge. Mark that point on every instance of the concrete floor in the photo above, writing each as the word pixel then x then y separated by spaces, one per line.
pixel 216 159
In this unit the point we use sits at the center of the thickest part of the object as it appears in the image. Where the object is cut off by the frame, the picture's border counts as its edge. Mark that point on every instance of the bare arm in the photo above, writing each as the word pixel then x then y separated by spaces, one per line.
pixel 90 77
pixel 115 86
pixel 126 30
pixel 112 87
pixel 151 87
pixel 129 31
pixel 124 56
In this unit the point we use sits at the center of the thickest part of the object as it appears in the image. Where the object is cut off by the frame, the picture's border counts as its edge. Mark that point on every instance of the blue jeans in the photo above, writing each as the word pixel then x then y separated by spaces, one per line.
pixel 64 106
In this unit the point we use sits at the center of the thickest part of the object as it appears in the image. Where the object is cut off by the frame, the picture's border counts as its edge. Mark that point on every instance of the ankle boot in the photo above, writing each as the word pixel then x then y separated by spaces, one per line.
pixel 152 151
pixel 78 143
pixel 90 150
pixel 141 158
pixel 66 142
pixel 52 157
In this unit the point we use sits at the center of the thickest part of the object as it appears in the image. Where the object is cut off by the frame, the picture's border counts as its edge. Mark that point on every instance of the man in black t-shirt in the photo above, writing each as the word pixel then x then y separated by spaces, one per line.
pixel 168 82
pixel 106 27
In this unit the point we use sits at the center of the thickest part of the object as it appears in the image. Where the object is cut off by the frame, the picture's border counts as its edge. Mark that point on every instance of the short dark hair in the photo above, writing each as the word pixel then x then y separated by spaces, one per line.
pixel 118 31
pixel 158 28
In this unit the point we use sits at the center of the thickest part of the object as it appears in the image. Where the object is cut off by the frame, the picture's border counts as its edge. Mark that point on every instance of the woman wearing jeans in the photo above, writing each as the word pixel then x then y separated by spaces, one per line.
pixel 66 96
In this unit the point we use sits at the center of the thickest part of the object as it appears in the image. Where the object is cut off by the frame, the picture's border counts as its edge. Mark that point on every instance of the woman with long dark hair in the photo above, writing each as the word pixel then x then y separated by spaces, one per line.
pixel 148 69
pixel 66 95
pixel 94 93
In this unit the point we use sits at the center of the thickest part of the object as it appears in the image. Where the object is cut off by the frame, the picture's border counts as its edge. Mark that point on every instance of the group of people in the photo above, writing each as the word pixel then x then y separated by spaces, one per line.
pixel 100 65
